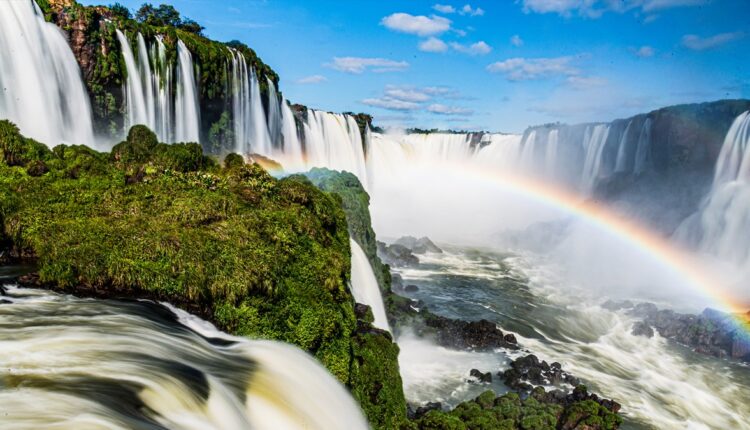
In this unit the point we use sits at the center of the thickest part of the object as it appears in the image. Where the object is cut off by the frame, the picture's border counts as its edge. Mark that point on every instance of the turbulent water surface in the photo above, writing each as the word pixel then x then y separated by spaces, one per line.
pixel 661 385
pixel 72 363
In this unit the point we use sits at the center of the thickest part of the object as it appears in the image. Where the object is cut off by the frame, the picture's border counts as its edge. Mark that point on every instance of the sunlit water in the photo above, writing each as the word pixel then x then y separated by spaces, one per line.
pixel 661 385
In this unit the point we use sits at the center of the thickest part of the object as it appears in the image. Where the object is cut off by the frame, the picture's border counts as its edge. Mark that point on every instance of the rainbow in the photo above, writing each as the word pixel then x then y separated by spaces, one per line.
pixel 624 229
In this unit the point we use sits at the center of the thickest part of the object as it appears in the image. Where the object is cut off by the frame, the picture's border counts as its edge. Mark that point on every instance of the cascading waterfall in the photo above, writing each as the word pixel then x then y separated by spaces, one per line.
pixel 335 141
pixel 149 91
pixel 622 150
pixel 274 114
pixel 250 126
pixel 41 89
pixel 187 115
pixel 594 144
pixel 365 286
pixel 720 227
pixel 124 365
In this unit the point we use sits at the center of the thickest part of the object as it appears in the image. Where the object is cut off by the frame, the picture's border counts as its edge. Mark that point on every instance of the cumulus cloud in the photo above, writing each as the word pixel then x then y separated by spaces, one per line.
pixel 697 43
pixel 407 94
pixel 420 25
pixel 516 41
pixel 444 8
pixel 314 79
pixel 468 10
pixel 596 8
pixel 523 69
pixel 645 51
pixel 479 48
pixel 391 104
pixel 442 109
pixel 358 65
pixel 433 44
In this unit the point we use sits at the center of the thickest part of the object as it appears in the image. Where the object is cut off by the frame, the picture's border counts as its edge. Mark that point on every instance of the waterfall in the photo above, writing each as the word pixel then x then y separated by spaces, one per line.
pixel 550 157
pixel 187 116
pixel 162 87
pixel 41 89
pixel 250 125
pixel 642 152
pixel 621 165
pixel 274 114
pixel 720 227
pixel 365 287
pixel 293 153
pixel 529 145
pixel 135 94
pixel 137 364
pixel 334 141
pixel 594 144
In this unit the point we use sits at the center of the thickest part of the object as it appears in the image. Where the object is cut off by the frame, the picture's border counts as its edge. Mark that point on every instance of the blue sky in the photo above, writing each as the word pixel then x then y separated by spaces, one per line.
pixel 496 65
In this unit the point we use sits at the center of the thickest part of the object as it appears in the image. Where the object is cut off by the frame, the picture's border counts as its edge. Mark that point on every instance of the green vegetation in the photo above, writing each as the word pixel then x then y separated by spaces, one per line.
pixel 510 412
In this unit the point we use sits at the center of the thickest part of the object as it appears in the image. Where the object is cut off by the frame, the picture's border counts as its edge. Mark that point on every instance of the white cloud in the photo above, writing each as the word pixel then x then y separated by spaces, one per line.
pixel 444 8
pixel 516 40
pixel 596 8
pixel 391 104
pixel 407 94
pixel 522 69
pixel 645 51
pixel 468 10
pixel 698 43
pixel 433 44
pixel 359 65
pixel 442 109
pixel 314 79
pixel 479 48
pixel 420 25
pixel 585 82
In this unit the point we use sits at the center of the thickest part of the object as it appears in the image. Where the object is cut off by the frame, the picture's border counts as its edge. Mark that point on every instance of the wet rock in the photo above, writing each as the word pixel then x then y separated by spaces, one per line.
pixel 422 245
pixel 37 168
pixel 411 288
pixel 481 377
pixel 397 282
pixel 396 255
pixel 510 338
pixel 529 370
pixel 642 329
pixel 713 332
pixel 422 410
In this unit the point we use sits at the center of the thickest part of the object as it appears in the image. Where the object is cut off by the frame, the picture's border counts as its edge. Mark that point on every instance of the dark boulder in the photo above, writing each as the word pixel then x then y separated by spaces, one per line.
pixel 418 246
pixel 411 288
pixel 480 376
pixel 642 329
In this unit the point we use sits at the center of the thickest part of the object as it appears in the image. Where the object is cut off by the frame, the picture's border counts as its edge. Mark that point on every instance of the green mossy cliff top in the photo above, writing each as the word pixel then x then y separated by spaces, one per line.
pixel 258 256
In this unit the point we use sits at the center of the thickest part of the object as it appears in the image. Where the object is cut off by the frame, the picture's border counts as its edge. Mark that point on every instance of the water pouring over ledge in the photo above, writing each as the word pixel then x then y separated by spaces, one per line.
pixel 157 367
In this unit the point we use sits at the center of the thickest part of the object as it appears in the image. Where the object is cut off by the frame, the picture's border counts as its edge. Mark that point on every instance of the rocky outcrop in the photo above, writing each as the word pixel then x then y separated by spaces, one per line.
pixel 711 333
pixel 528 371
pixel 396 255
pixel 422 245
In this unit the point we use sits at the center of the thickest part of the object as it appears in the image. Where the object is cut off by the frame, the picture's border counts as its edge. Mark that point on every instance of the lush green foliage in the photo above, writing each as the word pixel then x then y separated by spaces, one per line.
pixel 510 412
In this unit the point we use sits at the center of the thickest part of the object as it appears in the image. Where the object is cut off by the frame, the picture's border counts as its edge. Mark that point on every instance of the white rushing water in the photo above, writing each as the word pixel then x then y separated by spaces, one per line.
pixel 365 287
pixel 41 89
pixel 187 111
pixel 124 365
pixel 148 88
pixel 720 227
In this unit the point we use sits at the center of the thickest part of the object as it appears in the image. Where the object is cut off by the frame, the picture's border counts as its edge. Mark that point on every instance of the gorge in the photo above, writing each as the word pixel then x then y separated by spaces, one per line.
pixel 212 248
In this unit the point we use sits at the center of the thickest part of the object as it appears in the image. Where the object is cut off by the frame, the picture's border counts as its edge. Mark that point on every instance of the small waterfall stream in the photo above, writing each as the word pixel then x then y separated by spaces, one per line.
pixel 365 287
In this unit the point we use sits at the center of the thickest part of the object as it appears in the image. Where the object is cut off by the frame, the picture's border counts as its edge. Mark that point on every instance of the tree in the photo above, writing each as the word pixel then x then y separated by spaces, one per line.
pixel 160 16
pixel 120 11
pixel 191 26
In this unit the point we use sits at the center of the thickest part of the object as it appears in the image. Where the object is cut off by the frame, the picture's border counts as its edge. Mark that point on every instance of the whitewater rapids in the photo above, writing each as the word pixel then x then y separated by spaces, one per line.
pixel 85 364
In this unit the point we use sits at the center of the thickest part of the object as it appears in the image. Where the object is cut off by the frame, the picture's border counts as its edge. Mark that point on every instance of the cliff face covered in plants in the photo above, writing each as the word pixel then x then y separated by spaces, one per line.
pixel 91 33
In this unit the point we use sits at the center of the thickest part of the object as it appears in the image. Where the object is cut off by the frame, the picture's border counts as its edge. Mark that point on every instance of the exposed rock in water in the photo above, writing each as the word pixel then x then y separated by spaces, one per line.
pixel 480 376
pixel 642 329
pixel 525 372
pixel 411 288
pixel 396 255
pixel 422 410
pixel 422 245
pixel 712 332
pixel 475 335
